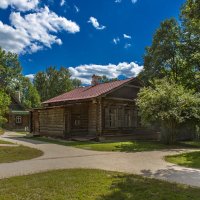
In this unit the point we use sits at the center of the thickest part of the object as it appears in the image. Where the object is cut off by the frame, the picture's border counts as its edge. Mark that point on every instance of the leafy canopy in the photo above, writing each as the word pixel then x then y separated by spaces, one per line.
pixel 169 105
pixel 4 103
pixel 54 82
pixel 175 50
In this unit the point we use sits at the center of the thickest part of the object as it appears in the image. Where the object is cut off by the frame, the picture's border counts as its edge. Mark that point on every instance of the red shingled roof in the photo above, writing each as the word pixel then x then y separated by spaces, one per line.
pixel 88 92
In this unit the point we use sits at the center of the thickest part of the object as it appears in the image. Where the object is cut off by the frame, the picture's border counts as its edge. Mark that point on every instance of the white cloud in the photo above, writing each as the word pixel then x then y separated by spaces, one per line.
pixel 95 23
pixel 116 40
pixel 85 72
pixel 34 31
pixel 21 5
pixel 126 36
pixel 30 76
pixel 118 1
pixel 62 2
pixel 127 45
pixel 134 1
pixel 77 9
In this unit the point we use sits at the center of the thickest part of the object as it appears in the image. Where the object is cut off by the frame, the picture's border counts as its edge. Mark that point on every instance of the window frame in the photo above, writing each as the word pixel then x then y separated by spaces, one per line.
pixel 18 119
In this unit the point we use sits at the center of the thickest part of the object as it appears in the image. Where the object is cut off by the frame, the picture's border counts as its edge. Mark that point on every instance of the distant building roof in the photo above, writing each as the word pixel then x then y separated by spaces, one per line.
pixel 89 91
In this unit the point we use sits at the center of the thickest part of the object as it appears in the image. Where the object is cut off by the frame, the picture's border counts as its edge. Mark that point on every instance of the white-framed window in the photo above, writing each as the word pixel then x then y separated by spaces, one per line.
pixel 18 119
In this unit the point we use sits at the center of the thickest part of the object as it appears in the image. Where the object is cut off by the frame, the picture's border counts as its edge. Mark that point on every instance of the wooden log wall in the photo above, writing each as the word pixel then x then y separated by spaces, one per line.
pixel 122 118
pixel 51 122
pixel 92 117
pixel 79 119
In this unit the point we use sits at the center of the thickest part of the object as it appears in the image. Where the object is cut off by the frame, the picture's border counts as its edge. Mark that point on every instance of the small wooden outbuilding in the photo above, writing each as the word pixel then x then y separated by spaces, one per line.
pixel 18 118
pixel 99 110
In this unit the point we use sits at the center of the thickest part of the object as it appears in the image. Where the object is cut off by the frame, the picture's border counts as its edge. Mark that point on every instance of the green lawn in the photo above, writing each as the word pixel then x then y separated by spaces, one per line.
pixel 127 146
pixel 1 131
pixel 5 142
pixel 186 159
pixel 22 132
pixel 87 184
pixel 13 154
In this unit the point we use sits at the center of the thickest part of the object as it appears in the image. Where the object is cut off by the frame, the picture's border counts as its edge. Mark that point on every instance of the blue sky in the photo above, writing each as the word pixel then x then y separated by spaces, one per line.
pixel 87 36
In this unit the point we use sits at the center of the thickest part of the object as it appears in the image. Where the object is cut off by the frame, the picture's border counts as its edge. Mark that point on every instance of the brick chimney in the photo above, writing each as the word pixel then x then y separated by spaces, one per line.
pixel 95 80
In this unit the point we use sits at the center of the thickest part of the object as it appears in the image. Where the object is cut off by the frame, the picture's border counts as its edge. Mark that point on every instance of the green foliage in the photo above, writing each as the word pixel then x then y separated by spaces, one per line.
pixel 105 79
pixel 76 83
pixel 54 82
pixel 10 70
pixel 169 105
pixel 175 50
pixel 4 103
pixel 30 98
pixel 12 80
pixel 190 16
pixel 163 59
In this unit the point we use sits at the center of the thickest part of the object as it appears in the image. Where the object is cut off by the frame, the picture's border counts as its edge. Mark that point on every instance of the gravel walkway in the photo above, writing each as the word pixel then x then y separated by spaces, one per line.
pixel 55 156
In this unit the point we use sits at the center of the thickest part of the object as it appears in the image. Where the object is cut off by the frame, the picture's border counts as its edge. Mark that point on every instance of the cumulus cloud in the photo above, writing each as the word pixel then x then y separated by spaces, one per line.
pixel 34 31
pixel 30 76
pixel 116 40
pixel 21 5
pixel 85 72
pixel 95 23
pixel 126 36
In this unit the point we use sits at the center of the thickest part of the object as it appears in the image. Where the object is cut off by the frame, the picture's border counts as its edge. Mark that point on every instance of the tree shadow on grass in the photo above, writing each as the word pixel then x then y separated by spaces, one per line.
pixel 133 187
pixel 139 146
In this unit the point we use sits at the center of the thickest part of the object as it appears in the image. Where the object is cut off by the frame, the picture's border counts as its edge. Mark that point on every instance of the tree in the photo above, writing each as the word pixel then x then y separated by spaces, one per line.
pixel 41 84
pixel 175 50
pixel 190 16
pixel 10 70
pixel 105 79
pixel 54 82
pixel 30 96
pixel 4 103
pixel 163 57
pixel 168 105
pixel 76 83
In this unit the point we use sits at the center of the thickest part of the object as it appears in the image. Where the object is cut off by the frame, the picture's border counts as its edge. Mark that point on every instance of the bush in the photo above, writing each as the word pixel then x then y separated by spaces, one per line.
pixel 170 106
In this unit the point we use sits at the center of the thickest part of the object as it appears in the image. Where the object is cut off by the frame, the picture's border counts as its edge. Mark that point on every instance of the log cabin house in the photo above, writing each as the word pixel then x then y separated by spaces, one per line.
pixel 18 118
pixel 100 110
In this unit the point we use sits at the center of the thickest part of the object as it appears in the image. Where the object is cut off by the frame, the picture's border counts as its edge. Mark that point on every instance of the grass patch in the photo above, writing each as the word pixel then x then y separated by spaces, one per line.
pixel 191 159
pixel 127 146
pixel 87 184
pixel 1 131
pixel 5 142
pixel 22 132
pixel 13 154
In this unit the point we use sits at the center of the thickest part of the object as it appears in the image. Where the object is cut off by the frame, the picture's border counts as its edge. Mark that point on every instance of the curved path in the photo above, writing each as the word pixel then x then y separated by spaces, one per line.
pixel 55 156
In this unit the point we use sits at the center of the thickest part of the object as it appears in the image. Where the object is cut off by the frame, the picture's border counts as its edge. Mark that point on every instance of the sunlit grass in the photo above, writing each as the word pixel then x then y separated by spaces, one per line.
pixel 191 159
pixel 88 184
pixel 17 153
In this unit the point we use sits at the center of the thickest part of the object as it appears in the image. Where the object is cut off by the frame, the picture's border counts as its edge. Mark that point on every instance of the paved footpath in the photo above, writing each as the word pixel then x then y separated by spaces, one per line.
pixel 55 156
